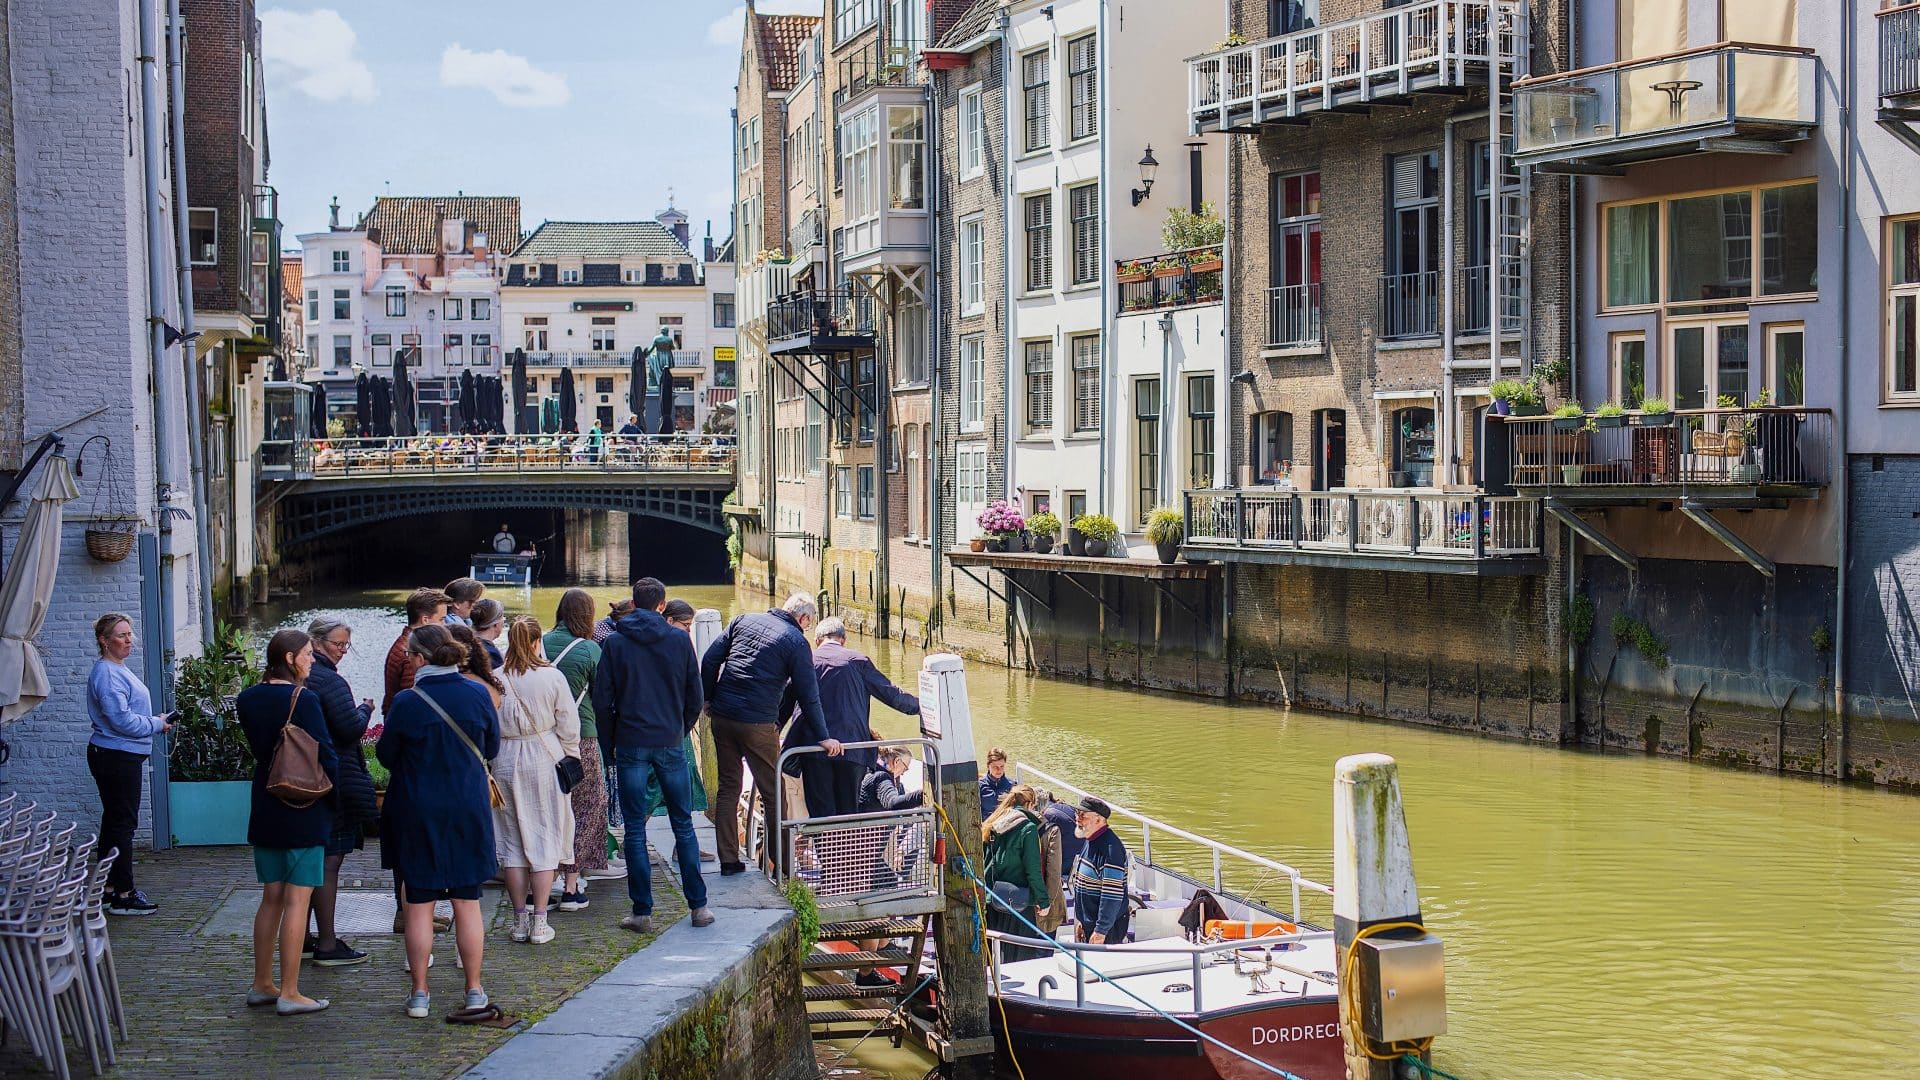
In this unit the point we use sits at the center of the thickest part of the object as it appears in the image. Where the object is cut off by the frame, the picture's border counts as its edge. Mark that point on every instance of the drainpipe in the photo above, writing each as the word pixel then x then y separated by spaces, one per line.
pixel 1494 192
pixel 1168 413
pixel 936 214
pixel 1448 453
pixel 1009 479
pixel 1843 207
pixel 157 244
pixel 1109 321
pixel 196 448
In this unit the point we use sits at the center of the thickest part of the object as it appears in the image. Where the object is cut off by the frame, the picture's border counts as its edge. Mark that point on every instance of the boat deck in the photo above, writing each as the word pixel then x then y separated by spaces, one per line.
pixel 1161 973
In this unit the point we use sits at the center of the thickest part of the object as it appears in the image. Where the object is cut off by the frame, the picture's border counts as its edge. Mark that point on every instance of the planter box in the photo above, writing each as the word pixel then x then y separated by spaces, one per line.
pixel 1660 419
pixel 208 813
pixel 1609 421
pixel 1529 410
pixel 1202 266
pixel 1129 279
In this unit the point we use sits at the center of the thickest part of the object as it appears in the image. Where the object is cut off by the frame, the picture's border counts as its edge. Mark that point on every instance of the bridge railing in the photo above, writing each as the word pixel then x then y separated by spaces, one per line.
pixel 449 455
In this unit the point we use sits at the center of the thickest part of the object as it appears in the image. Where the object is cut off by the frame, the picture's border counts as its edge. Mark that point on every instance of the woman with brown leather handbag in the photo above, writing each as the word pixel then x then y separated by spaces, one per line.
pixel 293 775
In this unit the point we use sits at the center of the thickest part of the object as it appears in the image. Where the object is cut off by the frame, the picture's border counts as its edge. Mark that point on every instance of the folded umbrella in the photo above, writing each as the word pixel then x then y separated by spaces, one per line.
pixel 28 589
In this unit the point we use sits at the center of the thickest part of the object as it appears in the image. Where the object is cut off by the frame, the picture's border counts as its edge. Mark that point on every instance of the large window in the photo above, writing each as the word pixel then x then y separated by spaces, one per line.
pixel 816 449
pixel 907 156
pixel 1273 447
pixel 1293 271
pixel 1709 250
pixel 397 300
pixel 482 308
pixel 973 132
pixel 1902 259
pixel 865 504
pixel 1084 208
pixel 852 16
pixel 203 236
pixel 865 394
pixel 860 147
pixel 969 488
pixel 1039 230
pixel 343 303
pixel 451 309
pixel 1633 254
pixel 723 309
pixel 973 265
pixel 1086 383
pixel 910 341
pixel 1039 375
pixel 1146 446
pixel 1627 380
pixel 1414 237
pixel 602 339
pixel 916 519
pixel 1083 90
pixel 1200 431
pixel 1786 377
pixel 1035 89
pixel 973 383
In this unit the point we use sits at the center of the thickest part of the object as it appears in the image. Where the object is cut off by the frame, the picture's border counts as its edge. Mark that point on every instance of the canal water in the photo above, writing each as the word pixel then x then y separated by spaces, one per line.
pixel 1604 915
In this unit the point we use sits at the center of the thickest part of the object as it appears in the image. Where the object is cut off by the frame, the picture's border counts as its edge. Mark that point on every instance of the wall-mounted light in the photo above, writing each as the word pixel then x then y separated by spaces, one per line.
pixel 1149 166
pixel 1244 375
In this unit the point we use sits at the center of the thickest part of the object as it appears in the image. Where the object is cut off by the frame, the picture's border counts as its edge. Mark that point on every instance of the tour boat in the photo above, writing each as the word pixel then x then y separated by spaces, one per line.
pixel 494 569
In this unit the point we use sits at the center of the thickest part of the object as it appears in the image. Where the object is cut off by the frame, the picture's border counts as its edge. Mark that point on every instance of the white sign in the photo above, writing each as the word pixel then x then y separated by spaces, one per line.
pixel 930 704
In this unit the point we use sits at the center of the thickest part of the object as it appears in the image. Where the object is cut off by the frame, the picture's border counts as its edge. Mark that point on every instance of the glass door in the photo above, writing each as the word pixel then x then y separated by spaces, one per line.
pixel 1710 361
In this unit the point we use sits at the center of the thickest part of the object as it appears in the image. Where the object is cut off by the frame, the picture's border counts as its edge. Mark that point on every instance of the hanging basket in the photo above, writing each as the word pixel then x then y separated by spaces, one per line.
pixel 110 541
pixel 111 522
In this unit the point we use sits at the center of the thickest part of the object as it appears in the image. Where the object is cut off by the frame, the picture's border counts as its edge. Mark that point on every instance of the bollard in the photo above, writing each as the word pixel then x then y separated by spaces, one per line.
pixel 706 627
pixel 964 1024
pixel 1395 984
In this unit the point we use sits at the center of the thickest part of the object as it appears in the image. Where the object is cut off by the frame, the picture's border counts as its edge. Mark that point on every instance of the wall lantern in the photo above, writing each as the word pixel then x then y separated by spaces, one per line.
pixel 1148 167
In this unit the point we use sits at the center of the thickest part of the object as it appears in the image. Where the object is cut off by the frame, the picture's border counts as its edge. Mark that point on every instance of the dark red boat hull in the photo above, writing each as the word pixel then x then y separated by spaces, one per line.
pixel 1300 1037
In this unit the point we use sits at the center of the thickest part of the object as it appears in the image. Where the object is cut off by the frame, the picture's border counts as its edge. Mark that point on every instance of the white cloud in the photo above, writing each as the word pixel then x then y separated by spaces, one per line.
pixel 725 30
pixel 511 79
pixel 315 49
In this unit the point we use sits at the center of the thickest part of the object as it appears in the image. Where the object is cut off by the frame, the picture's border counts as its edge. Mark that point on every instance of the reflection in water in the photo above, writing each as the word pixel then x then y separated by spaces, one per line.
pixel 1605 915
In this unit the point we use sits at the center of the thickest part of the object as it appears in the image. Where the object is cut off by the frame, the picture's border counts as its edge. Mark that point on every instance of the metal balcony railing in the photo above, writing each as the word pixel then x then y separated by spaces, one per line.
pixel 1754 447
pixel 809 233
pixel 821 313
pixel 1439 526
pixel 1471 302
pixel 466 455
pixel 881 62
pixel 1410 305
pixel 1170 279
pixel 1293 316
pixel 1900 51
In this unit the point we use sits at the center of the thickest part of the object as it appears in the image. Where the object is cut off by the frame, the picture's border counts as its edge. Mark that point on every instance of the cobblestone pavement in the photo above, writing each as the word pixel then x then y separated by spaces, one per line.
pixel 184 981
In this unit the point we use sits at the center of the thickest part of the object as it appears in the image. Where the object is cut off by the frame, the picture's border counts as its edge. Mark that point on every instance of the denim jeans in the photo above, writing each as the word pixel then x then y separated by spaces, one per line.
pixel 667 764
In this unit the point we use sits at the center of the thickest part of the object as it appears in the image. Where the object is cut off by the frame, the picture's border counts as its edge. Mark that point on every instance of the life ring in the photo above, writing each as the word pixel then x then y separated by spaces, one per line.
pixel 1244 930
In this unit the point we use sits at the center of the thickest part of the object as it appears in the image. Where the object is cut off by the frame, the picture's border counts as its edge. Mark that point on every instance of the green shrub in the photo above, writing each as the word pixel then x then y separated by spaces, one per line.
pixel 1580 618
pixel 1570 411
pixel 806 912
pixel 1184 229
pixel 1656 406
pixel 1610 408
pixel 1628 630
pixel 1097 527
pixel 1165 525
pixel 1526 393
pixel 1044 523
pixel 1505 389
pixel 207 743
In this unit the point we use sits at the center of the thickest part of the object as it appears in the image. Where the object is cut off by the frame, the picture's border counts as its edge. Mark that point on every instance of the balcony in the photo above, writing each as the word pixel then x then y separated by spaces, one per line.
pixel 1410 305
pixel 1418 532
pixel 1746 458
pixel 1726 98
pixel 1168 280
pixel 1435 46
pixel 1900 51
pixel 1472 302
pixel 1293 317
pixel 877 63
pixel 821 321
pixel 807 239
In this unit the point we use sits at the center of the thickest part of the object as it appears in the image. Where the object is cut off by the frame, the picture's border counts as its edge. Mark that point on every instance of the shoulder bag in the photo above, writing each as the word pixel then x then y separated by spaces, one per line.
pixel 495 798
pixel 568 768
pixel 295 776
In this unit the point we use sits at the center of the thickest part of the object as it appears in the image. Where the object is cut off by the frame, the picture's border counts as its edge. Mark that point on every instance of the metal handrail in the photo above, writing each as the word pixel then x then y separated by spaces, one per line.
pixel 932 774
pixel 450 455
pixel 1196 953
pixel 786 866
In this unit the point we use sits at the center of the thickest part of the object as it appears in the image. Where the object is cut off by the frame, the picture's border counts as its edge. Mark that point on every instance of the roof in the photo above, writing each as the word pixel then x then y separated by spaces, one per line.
pixel 725 252
pixel 613 239
pixel 779 38
pixel 975 21
pixel 292 274
pixel 407 223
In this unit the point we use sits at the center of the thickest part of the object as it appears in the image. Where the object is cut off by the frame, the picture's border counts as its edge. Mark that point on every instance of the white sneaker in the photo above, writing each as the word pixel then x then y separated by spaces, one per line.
pixel 613 870
pixel 519 932
pixel 540 933
pixel 406 965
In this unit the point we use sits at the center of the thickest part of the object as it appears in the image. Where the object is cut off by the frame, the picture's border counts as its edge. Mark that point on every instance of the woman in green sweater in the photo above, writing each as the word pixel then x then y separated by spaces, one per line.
pixel 569 646
pixel 1011 837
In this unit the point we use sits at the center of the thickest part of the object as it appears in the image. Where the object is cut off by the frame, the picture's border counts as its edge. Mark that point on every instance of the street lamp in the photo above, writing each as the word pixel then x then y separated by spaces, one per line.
pixel 1148 167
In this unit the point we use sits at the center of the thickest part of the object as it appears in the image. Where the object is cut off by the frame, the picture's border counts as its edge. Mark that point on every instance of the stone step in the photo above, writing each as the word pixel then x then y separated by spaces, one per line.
pixel 849 961
pixel 847 991
pixel 872 928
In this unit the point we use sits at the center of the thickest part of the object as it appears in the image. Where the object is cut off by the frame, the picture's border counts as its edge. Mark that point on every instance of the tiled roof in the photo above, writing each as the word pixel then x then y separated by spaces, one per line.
pixel 725 253
pixel 293 273
pixel 780 38
pixel 970 25
pixel 612 239
pixel 407 222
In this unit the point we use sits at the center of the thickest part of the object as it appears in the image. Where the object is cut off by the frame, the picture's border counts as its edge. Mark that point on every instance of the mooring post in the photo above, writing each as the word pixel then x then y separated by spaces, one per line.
pixel 967 1050
pixel 706 627
pixel 1391 979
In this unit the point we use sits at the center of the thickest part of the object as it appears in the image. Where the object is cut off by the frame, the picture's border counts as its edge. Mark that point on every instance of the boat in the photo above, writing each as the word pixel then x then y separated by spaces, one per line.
pixel 495 569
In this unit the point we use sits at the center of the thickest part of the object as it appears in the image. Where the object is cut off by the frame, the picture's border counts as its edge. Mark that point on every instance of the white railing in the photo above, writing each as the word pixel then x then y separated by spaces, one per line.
pixel 1384 54
pixel 1194 957
pixel 1424 524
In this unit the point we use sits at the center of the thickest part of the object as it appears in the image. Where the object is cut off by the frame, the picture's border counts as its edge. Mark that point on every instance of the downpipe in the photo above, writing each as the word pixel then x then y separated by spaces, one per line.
pixel 196 445
pixel 157 246
pixel 1843 767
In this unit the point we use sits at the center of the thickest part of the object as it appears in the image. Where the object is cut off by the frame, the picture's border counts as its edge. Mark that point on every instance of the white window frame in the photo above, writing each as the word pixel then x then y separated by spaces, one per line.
pixel 1770 373
pixel 973 132
pixel 396 301
pixel 843 491
pixel 342 261
pixel 860 139
pixel 973 265
pixel 973 383
pixel 1895 292
pixel 1616 381
pixel 343 296
pixel 1088 405
pixel 970 488
pixel 570 276
pixel 452 309
pixel 481 308
pixel 193 251
pixel 1083 234
pixel 601 339
pixel 1033 424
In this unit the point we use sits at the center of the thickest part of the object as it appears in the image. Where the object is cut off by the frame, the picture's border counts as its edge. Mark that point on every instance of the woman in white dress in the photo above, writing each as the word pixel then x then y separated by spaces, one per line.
pixel 539 726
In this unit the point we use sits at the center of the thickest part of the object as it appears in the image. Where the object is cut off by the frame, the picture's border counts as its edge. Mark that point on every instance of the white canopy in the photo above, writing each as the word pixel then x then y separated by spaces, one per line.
pixel 26 591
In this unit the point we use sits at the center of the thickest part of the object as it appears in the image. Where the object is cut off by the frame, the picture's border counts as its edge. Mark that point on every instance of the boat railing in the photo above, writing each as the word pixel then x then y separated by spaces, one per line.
pixel 1087 959
pixel 865 866
pixel 1219 852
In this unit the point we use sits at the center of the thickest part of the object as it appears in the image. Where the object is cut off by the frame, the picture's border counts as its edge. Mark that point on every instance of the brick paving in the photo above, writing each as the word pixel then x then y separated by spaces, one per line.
pixel 185 991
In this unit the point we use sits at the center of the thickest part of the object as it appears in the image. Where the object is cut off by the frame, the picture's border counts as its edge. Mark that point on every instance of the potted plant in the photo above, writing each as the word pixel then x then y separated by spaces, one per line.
pixel 1166 527
pixel 1656 412
pixel 1133 270
pixel 1569 417
pixel 1076 540
pixel 1503 393
pixel 1186 230
pixel 210 765
pixel 1169 266
pixel 1044 526
pixel 1570 474
pixel 1203 260
pixel 1100 531
pixel 1609 414
pixel 1526 400
pixel 1002 521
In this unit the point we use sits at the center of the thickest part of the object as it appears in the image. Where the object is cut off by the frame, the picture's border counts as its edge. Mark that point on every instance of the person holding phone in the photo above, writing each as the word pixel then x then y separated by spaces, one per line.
pixel 124 725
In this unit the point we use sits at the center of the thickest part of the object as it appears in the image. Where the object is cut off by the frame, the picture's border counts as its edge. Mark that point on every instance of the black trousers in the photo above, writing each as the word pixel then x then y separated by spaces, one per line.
pixel 832 784
pixel 118 774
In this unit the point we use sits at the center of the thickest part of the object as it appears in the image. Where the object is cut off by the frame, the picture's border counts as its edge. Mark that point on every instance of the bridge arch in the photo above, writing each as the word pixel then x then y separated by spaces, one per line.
pixel 318 512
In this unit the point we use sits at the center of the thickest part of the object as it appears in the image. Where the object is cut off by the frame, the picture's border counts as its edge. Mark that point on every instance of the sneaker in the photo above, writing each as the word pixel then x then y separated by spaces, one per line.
pixel 406 965
pixel 612 870
pixel 519 932
pixel 477 998
pixel 134 903
pixel 729 869
pixel 707 856
pixel 573 901
pixel 540 933
pixel 306 949
pixel 871 978
pixel 639 924
pixel 417 1006
pixel 341 955
pixel 703 916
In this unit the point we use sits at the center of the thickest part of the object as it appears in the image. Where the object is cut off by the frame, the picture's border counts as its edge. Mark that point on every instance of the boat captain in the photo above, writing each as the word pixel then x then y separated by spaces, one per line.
pixel 504 542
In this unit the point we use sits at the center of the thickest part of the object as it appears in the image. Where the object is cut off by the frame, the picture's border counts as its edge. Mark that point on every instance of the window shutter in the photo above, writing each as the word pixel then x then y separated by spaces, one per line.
pixel 1406 178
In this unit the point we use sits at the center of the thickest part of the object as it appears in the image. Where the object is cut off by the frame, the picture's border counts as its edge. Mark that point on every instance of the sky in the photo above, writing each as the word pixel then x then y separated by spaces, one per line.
pixel 588 110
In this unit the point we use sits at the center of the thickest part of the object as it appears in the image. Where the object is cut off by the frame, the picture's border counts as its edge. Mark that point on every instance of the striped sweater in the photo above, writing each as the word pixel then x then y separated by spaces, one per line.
pixel 1100 885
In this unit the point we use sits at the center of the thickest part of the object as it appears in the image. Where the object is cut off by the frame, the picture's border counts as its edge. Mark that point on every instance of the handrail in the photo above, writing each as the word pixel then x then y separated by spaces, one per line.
pixel 1195 953
pixel 1698 50
pixel 930 759
pixel 454 454
pixel 1896 10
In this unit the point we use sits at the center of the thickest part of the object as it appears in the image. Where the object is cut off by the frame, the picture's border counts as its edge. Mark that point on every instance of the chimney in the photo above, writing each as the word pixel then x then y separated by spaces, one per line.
pixel 681 231
pixel 709 242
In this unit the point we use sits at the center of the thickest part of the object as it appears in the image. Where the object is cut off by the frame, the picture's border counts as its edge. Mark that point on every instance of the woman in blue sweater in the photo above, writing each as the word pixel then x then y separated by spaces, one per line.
pixel 123 729
pixel 289 842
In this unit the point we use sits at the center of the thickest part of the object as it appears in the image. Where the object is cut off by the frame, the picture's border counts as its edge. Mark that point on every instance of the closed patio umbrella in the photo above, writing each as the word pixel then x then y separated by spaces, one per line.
pixel 522 423
pixel 402 400
pixel 319 410
pixel 28 588
pixel 569 409
pixel 637 382
pixel 362 405
pixel 468 401
pixel 382 407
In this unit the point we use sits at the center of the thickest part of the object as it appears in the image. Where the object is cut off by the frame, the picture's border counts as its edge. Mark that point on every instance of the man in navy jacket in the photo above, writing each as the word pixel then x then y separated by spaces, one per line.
pixel 848 682
pixel 746 673
pixel 646 696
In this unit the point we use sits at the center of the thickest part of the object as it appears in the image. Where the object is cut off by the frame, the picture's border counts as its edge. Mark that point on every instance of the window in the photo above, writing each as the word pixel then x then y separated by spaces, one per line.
pixel 1273 447
pixel 1414 238
pixel 342 261
pixel 481 349
pixel 313 348
pixel 1786 374
pixel 452 308
pixel 1902 259
pixel 1710 247
pixel 1083 112
pixel 843 491
pixel 203 236
pixel 906 156
pixel 453 344
pixel 970 488
pixel 1721 248
pixel 723 309
pixel 910 340
pixel 1200 431
pixel 482 309
pixel 1293 16
pixel 1084 209
pixel 1146 446
pixel 1633 254
pixel 602 339
pixel 396 300
pixel 343 303
pixel 381 346
pixel 852 16
pixel 816 436
pixel 865 506
pixel 973 383
pixel 1039 219
pixel 860 147
pixel 973 133
pixel 570 277
pixel 342 350
pixel 1294 267
pixel 866 395
pixel 1034 88
pixel 536 338
pixel 1076 505
pixel 313 305
pixel 973 265
pixel 603 384
pixel 1039 373
pixel 1477 222
pixel 1627 381
pixel 1086 383
pixel 916 485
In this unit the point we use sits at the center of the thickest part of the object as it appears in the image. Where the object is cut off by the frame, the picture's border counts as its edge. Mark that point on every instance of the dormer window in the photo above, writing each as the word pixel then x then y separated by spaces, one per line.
pixel 634 275
pixel 533 271
pixel 570 277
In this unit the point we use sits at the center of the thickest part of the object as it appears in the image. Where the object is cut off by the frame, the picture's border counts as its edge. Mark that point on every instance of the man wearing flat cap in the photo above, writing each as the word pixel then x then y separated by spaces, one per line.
pixel 1100 912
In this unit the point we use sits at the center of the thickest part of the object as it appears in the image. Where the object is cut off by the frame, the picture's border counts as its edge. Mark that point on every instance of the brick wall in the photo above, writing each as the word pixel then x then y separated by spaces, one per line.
pixel 220 164
pixel 12 395
pixel 1883 615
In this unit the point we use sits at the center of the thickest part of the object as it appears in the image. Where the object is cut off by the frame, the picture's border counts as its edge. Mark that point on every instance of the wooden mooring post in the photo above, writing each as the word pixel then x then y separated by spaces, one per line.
pixel 963 1037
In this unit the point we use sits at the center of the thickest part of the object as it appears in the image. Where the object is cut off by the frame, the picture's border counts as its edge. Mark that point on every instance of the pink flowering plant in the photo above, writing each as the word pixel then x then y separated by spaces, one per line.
pixel 1001 518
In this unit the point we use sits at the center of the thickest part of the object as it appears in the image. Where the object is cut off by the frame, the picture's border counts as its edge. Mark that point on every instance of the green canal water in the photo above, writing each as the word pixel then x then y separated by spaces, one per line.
pixel 1604 915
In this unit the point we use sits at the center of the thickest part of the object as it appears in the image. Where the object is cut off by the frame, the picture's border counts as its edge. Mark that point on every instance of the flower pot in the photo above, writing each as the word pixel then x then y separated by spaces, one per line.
pixel 1501 407
pixel 1042 543
pixel 1169 271
pixel 1570 474
pixel 978 543
pixel 1096 549
pixel 109 545
pixel 1656 419
pixel 210 812
pixel 1569 423
pixel 1129 279
pixel 1745 472
pixel 1168 550
pixel 1076 541
pixel 997 544
pixel 1206 265
pixel 1609 421
pixel 1529 410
